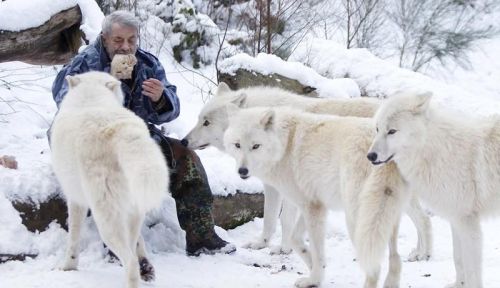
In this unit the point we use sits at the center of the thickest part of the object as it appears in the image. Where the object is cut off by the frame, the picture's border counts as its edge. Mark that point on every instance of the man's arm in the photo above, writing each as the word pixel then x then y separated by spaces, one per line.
pixel 167 108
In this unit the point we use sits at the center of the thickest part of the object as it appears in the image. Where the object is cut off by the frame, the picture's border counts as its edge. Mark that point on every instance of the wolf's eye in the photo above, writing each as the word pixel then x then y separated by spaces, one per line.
pixel 206 123
pixel 237 145
pixel 256 146
pixel 392 131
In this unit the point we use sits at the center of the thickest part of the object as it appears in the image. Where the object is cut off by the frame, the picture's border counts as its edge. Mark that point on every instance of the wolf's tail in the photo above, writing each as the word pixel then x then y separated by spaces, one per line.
pixel 144 167
pixel 381 203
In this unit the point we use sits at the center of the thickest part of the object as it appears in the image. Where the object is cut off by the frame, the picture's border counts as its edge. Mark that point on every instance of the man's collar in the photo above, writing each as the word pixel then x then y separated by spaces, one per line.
pixel 104 57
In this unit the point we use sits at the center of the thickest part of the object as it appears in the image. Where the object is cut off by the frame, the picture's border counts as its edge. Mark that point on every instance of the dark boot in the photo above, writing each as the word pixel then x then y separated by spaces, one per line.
pixel 193 198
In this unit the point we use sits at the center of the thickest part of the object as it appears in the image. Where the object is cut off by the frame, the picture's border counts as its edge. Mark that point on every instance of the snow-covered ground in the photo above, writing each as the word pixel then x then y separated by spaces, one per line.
pixel 27 109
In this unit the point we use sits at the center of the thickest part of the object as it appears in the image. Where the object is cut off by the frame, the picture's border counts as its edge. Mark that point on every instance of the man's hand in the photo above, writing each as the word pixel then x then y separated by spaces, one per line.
pixel 153 88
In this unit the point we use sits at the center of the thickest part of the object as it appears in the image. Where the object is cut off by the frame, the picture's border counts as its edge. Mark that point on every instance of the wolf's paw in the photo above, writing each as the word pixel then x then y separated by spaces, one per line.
pixel 256 245
pixel 69 265
pixel 392 281
pixel 419 255
pixel 276 250
pixel 306 282
pixel 458 284
pixel 147 270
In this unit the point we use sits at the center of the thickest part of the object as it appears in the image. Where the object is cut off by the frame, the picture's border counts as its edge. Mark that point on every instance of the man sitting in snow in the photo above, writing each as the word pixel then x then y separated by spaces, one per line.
pixel 150 96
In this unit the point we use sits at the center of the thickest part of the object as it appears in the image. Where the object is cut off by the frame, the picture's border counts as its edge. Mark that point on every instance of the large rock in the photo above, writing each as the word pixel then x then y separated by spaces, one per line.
pixel 235 210
pixel 229 212
pixel 243 78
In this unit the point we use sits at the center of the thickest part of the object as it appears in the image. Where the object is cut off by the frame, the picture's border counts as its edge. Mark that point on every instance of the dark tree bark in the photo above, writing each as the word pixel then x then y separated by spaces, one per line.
pixel 54 42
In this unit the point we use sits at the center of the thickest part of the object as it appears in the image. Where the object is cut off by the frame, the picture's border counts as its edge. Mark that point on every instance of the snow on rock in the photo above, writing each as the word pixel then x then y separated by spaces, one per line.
pixel 17 15
pixel 267 64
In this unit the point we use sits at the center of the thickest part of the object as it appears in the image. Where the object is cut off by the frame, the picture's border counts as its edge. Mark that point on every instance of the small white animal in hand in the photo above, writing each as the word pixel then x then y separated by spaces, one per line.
pixel 123 65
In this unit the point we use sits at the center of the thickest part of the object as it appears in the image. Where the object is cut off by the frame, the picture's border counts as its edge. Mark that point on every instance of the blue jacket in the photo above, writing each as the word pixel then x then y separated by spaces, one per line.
pixel 95 58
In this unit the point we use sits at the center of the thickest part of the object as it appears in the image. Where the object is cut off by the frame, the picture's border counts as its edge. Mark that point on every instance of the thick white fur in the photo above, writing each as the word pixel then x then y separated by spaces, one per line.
pixel 213 121
pixel 318 162
pixel 105 160
pixel 455 164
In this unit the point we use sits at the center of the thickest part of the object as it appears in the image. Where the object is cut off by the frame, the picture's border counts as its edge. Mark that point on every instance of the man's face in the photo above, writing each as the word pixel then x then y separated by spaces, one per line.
pixel 121 40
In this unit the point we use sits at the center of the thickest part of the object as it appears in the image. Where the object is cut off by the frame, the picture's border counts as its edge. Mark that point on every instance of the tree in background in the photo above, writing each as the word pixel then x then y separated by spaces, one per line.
pixel 364 20
pixel 415 32
pixel 440 30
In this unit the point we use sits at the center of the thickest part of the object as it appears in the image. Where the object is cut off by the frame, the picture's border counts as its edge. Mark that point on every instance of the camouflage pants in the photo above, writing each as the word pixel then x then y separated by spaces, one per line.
pixel 191 191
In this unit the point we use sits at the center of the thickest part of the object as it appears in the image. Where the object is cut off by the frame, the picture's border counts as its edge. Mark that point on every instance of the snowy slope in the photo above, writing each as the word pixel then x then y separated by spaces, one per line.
pixel 27 109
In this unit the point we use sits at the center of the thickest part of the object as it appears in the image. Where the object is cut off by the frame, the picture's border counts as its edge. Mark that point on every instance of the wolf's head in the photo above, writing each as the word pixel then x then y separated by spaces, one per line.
pixel 254 139
pixel 401 125
pixel 93 81
pixel 213 119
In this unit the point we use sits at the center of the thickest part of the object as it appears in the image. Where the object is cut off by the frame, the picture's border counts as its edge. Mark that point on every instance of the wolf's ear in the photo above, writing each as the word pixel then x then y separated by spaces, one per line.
pixel 72 81
pixel 231 110
pixel 240 100
pixel 267 119
pixel 113 85
pixel 222 88
pixel 116 88
pixel 421 103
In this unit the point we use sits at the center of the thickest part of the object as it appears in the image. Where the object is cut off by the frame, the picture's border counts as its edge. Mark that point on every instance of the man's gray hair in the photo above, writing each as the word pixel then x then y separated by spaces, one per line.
pixel 121 17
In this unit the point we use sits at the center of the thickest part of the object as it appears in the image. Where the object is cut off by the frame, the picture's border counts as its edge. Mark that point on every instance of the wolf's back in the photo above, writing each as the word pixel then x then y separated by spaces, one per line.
pixel 143 165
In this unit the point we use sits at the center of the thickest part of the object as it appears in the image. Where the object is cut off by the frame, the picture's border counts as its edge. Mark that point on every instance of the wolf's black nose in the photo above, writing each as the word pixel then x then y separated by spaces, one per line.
pixel 184 142
pixel 372 156
pixel 243 171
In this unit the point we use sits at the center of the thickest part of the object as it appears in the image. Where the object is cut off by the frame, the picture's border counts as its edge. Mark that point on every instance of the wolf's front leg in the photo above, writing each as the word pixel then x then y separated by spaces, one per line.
pixel 423 224
pixel 272 207
pixel 314 219
pixel 76 215
pixel 288 217
pixel 394 274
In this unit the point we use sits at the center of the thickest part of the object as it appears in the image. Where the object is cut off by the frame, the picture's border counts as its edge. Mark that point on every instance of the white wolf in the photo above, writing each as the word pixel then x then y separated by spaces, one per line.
pixel 213 121
pixel 105 160
pixel 454 163
pixel 318 162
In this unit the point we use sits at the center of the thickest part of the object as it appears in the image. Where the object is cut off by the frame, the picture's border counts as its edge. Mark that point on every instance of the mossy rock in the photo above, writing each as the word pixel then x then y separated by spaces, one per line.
pixel 228 211
pixel 235 210
pixel 243 78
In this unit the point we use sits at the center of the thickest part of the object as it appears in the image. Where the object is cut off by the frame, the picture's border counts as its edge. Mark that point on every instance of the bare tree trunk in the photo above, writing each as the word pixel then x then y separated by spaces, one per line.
pixel 269 30
pixel 259 27
pixel 349 16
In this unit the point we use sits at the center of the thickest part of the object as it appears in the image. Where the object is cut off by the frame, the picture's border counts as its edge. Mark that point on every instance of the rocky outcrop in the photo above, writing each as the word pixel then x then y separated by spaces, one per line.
pixel 54 42
pixel 228 211
pixel 243 78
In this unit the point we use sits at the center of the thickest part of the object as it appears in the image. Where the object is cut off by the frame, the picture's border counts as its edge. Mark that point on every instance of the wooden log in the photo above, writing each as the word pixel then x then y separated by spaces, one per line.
pixel 54 42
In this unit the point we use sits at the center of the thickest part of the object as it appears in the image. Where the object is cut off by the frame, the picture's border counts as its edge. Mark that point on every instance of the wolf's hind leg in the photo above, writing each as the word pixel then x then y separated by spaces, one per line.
pixel 422 222
pixel 468 229
pixel 298 244
pixel 147 271
pixel 76 215
pixel 116 233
